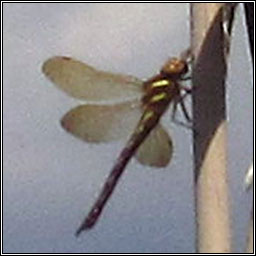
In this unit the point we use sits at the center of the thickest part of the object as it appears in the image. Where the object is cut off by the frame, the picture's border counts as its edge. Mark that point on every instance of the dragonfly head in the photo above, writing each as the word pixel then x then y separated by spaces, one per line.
pixel 174 67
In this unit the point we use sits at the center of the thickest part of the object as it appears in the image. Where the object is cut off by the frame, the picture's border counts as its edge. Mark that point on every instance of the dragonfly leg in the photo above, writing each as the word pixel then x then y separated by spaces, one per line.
pixel 176 121
pixel 180 100
pixel 183 108
pixel 188 90
pixel 181 123
pixel 185 78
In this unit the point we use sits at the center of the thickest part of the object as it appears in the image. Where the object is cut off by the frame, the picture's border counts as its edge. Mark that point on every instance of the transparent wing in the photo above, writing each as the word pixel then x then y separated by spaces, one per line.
pixel 102 123
pixel 157 149
pixel 82 81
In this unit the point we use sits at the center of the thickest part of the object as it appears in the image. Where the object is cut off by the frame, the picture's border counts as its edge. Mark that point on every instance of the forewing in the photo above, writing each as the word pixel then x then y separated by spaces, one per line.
pixel 102 123
pixel 157 149
pixel 82 81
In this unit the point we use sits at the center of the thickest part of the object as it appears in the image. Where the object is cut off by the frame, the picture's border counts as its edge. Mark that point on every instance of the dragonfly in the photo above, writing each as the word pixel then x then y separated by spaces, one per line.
pixel 120 106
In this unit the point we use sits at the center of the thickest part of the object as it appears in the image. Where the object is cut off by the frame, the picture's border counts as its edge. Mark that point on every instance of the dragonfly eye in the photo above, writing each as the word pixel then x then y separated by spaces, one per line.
pixel 175 66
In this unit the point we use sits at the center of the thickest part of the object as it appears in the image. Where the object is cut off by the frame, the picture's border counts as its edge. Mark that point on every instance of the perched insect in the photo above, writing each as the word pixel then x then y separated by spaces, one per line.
pixel 143 104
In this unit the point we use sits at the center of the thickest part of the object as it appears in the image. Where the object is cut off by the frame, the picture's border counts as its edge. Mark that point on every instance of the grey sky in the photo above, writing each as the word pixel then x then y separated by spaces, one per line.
pixel 51 179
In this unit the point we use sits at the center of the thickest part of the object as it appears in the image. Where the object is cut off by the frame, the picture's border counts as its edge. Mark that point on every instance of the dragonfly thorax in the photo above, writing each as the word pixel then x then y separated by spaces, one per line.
pixel 174 68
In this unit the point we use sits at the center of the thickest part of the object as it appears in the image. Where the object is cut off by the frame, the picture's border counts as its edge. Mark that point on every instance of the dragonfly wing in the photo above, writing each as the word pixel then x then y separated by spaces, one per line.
pixel 157 149
pixel 82 81
pixel 102 123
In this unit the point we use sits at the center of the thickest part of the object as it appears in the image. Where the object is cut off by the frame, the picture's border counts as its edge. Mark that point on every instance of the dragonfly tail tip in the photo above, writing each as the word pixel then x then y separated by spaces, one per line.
pixel 83 227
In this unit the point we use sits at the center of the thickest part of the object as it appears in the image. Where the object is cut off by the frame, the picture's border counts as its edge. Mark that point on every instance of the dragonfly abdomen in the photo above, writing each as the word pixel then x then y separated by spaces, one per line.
pixel 112 179
pixel 148 121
